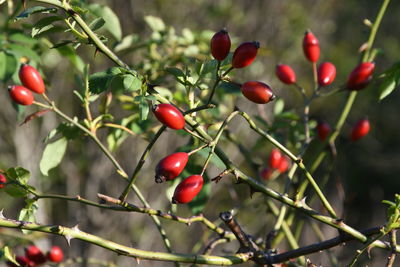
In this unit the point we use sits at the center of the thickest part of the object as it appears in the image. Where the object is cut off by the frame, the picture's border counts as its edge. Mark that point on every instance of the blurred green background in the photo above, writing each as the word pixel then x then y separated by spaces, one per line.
pixel 365 172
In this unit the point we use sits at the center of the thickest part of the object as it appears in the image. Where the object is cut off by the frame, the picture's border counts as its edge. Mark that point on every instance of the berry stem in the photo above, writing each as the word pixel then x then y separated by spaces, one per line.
pixel 217 80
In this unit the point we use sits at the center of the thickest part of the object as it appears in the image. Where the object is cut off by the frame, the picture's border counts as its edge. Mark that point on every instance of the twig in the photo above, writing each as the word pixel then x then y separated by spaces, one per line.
pixel 393 245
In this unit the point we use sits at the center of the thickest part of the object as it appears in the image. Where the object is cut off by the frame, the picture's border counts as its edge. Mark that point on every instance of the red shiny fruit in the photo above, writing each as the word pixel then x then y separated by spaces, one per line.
pixel 220 45
pixel 326 73
pixel 188 189
pixel 285 73
pixel 361 75
pixel 283 165
pixel 245 54
pixel 275 158
pixel 266 173
pixel 34 254
pixel 170 116
pixel 171 166
pixel 311 46
pixel 55 254
pixel 31 79
pixel 323 130
pixel 257 92
pixel 3 180
pixel 20 95
pixel 360 129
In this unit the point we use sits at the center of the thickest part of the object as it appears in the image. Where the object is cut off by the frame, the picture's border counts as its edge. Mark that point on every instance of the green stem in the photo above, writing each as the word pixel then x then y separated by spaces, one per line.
pixel 74 233
pixel 366 246
pixel 141 162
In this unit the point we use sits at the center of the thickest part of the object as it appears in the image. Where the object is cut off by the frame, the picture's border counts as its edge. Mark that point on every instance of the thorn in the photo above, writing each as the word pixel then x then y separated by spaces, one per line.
pixel 2 215
pixel 96 52
pixel 363 47
pixel 76 228
pixel 68 238
pixel 137 260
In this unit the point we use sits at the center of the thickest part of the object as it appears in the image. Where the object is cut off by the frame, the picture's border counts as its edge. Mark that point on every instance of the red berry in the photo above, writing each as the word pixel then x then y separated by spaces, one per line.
pixel 285 73
pixel 323 130
pixel 266 173
pixel 34 254
pixel 20 95
pixel 171 166
pixel 360 129
pixel 245 54
pixel 257 92
pixel 170 116
pixel 326 73
pixel 283 165
pixel 361 75
pixel 220 45
pixel 187 189
pixel 3 180
pixel 311 47
pixel 275 158
pixel 55 254
pixel 31 79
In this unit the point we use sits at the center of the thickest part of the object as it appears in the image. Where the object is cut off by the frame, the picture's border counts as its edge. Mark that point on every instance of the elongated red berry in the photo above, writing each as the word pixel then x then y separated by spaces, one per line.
pixel 20 95
pixel 55 254
pixel 3 180
pixel 188 189
pixel 31 79
pixel 266 173
pixel 170 116
pixel 283 165
pixel 275 158
pixel 34 254
pixel 311 46
pixel 323 130
pixel 361 75
pixel 360 129
pixel 171 166
pixel 326 73
pixel 285 73
pixel 220 45
pixel 257 92
pixel 245 54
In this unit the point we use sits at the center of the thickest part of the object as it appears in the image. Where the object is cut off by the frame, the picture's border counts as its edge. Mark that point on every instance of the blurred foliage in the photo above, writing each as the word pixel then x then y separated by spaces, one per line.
pixel 168 42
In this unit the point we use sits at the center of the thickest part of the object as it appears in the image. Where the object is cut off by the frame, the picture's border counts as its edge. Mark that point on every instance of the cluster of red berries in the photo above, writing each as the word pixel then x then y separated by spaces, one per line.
pixel 358 79
pixel 35 257
pixel 172 165
pixel 244 55
pixel 32 81
pixel 277 163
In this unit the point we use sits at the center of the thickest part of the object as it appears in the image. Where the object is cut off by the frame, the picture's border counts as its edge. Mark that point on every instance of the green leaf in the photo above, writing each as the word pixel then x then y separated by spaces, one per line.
pixel 155 23
pixel 8 65
pixel 27 214
pixel 52 155
pixel 112 24
pixel 97 24
pixel 387 87
pixel 100 81
pixel 143 108
pixel 178 73
pixel 44 25
pixel 8 255
pixel 19 175
pixel 34 10
pixel 132 83
pixel 23 38
pixel 279 106
pixel 23 51
pixel 126 42
pixel 70 53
